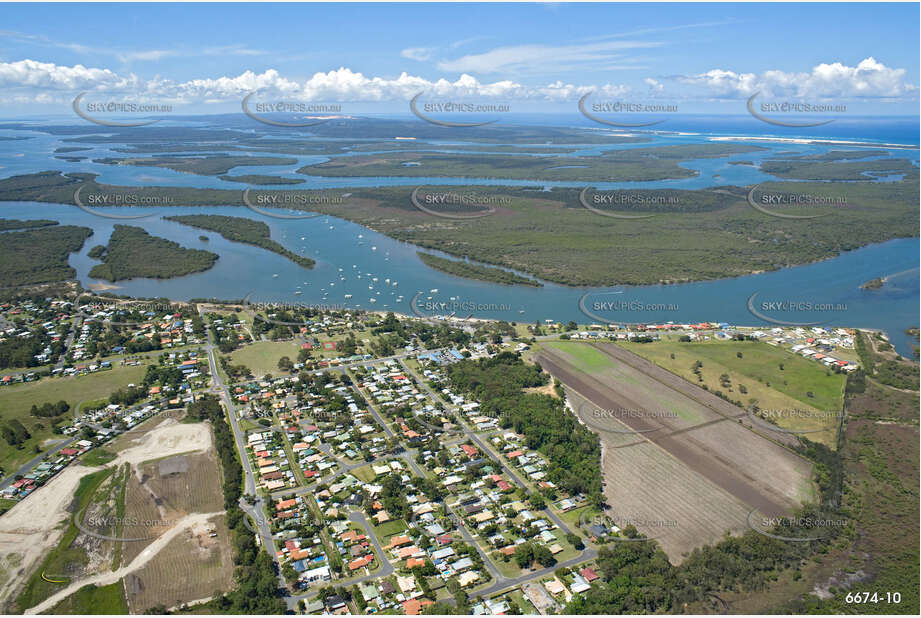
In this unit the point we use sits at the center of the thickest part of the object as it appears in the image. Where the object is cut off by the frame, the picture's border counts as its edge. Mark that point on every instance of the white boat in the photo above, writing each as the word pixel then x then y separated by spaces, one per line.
pixel 374 279
pixel 275 275
pixel 347 296
pixel 434 290
pixel 372 300
pixel 373 248
pixel 298 293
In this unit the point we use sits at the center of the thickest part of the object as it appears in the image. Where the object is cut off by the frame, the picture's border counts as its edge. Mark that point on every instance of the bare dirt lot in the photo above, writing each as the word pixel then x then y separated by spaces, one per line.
pixel 169 437
pixel 193 551
pixel 164 491
pixel 673 458
pixel 192 521
pixel 32 527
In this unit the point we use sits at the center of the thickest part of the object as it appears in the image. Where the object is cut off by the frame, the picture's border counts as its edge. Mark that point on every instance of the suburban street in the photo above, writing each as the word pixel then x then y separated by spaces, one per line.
pixel 256 511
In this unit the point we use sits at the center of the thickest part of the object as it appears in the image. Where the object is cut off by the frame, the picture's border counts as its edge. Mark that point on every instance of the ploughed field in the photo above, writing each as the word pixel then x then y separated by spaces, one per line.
pixel 677 462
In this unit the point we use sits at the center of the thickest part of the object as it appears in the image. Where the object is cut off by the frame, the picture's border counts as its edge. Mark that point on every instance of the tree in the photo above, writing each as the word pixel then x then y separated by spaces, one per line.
pixel 575 540
pixel 543 556
pixel 285 364
pixel 524 555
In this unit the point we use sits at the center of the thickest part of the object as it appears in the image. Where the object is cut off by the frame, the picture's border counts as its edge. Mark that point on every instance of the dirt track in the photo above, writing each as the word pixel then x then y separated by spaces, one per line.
pixel 104 579
pixel 679 384
pixel 757 472
pixel 33 527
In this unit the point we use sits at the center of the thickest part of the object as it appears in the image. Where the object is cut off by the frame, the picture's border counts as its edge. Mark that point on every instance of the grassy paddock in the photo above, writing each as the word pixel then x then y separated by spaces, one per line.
pixel 17 400
pixel 759 372
pixel 93 599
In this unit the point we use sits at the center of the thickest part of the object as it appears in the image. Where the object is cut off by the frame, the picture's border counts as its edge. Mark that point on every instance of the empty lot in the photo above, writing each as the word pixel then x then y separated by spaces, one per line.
pixel 672 457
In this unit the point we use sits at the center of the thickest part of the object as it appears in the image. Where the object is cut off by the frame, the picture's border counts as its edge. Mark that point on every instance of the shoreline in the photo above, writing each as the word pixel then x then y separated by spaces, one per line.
pixel 661 282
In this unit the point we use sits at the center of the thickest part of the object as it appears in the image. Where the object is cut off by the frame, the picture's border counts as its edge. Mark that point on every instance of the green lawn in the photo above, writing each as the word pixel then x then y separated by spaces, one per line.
pixel 389 528
pixel 16 401
pixel 364 474
pixel 585 357
pixel 262 357
pixel 523 604
pixel 758 370
pixel 98 457
pixel 58 559
pixel 93 599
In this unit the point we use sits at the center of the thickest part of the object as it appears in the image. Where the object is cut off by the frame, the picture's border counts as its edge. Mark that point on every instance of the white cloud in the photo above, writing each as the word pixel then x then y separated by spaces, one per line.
pixel 31 80
pixel 417 53
pixel 149 55
pixel 543 58
pixel 654 85
pixel 342 84
pixel 49 76
pixel 869 79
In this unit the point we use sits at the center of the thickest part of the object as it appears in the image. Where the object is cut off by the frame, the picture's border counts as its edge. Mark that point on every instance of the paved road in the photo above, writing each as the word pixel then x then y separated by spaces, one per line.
pixel 27 467
pixel 488 450
pixel 359 518
pixel 78 322
pixel 257 510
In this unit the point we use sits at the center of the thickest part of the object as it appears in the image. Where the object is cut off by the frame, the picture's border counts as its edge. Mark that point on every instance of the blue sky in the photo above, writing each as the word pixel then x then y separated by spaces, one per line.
pixel 205 57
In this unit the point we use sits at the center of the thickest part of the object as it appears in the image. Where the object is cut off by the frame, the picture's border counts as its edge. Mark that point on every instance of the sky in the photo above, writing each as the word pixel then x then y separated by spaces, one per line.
pixel 204 58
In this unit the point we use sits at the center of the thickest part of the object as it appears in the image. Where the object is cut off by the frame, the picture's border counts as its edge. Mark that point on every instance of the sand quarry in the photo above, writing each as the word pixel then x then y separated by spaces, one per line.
pixel 35 525
pixel 169 438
